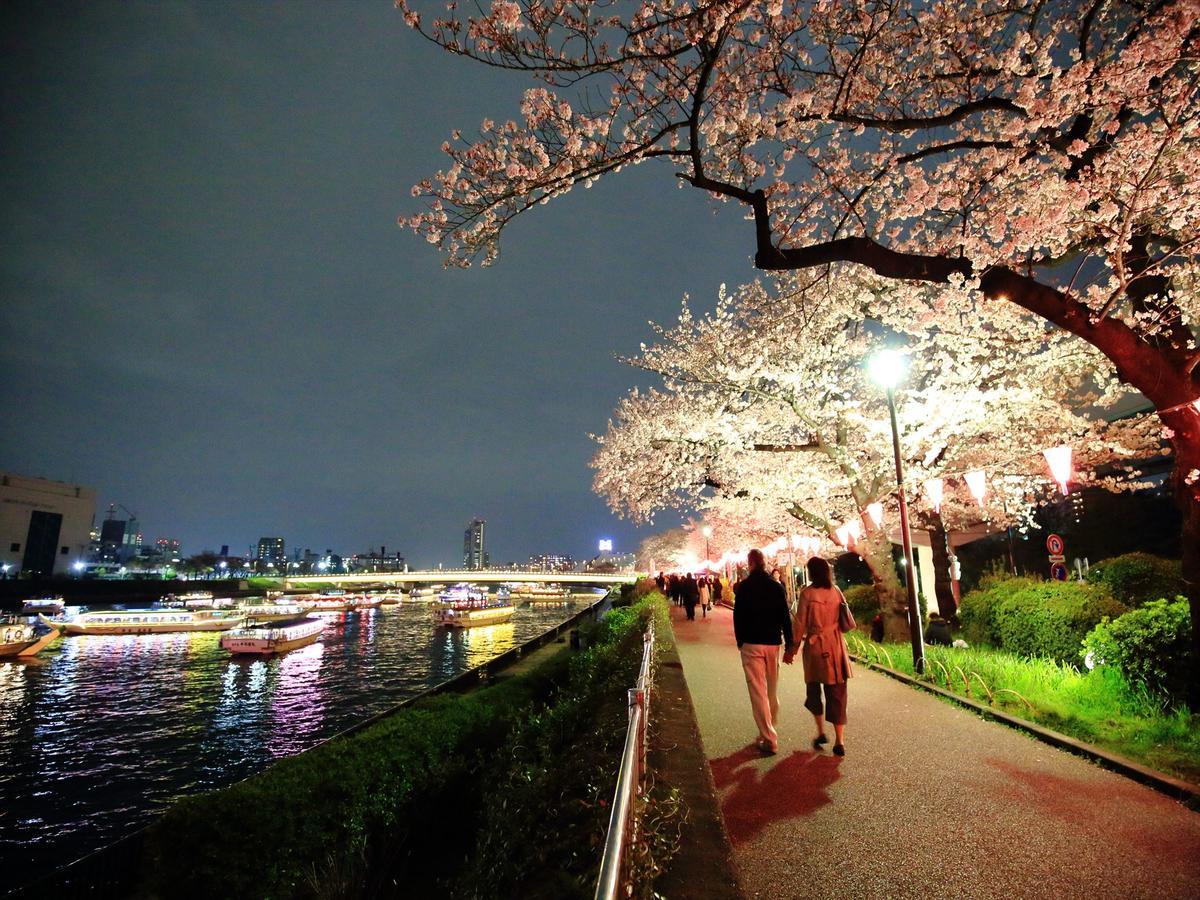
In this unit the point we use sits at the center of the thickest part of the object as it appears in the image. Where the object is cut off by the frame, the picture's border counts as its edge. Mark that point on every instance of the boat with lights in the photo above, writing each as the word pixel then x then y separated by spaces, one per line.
pixel 20 638
pixel 534 593
pixel 271 612
pixel 465 606
pixel 49 606
pixel 271 638
pixel 152 621
pixel 336 602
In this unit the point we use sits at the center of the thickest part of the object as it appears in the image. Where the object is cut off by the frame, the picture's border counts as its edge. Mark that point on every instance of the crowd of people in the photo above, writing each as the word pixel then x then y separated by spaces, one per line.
pixel 692 590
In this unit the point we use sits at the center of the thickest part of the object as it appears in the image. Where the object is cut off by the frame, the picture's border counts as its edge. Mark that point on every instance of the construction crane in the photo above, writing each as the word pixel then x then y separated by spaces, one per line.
pixel 112 511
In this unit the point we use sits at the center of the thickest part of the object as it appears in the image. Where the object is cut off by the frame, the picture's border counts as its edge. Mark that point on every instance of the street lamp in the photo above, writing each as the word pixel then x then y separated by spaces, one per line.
pixel 707 532
pixel 886 368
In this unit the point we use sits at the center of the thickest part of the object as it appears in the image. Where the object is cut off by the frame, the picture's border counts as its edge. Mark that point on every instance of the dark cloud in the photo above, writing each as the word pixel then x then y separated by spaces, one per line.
pixel 210 315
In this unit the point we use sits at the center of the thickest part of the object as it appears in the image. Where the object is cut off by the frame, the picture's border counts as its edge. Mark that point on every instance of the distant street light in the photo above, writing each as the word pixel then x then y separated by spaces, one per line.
pixel 707 532
pixel 886 368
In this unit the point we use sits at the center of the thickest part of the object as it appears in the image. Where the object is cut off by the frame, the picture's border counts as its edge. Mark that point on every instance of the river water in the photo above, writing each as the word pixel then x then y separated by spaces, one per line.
pixel 99 734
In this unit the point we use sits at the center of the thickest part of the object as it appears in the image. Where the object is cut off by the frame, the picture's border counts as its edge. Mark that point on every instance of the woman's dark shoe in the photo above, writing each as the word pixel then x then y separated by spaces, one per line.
pixel 839 750
pixel 819 742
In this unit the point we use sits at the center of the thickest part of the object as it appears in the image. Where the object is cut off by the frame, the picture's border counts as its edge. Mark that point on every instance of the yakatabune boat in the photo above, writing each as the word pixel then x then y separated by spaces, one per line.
pixel 271 612
pixel 51 606
pixel 537 592
pixel 273 637
pixel 464 606
pixel 25 639
pixel 152 621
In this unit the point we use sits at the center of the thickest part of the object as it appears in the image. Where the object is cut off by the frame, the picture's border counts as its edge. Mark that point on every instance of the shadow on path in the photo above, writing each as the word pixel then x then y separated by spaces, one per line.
pixel 792 787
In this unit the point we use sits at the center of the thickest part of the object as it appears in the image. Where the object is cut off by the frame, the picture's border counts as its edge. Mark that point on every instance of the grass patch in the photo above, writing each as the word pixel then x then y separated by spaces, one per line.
pixel 1096 706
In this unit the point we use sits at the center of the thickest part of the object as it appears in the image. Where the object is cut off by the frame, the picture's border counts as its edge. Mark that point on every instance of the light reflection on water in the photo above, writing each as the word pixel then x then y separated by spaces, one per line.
pixel 99 733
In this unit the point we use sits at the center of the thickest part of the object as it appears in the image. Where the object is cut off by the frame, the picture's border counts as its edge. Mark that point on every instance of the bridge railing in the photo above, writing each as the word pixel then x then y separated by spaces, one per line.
pixel 622 822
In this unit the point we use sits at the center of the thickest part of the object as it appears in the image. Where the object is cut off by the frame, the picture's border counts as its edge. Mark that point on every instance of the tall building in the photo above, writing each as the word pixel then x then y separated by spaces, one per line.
pixel 271 550
pixel 474 554
pixel 44 525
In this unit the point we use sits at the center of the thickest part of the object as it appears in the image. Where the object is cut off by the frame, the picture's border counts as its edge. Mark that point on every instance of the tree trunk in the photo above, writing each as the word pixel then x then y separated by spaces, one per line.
pixel 1186 441
pixel 876 551
pixel 943 583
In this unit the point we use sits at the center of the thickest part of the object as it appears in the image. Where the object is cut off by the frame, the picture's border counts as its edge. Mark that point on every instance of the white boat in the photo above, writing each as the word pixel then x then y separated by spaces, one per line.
pixel 192 599
pixel 465 606
pixel 19 638
pixel 152 621
pixel 50 606
pixel 273 637
pixel 534 593
pixel 337 602
pixel 426 592
pixel 271 612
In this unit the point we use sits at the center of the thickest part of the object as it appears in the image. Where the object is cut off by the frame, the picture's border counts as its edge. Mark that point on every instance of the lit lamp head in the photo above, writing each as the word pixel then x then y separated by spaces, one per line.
pixel 887 367
pixel 706 531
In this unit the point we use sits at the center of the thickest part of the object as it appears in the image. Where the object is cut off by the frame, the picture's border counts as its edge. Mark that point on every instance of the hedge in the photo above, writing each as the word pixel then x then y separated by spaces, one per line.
pixel 1137 578
pixel 1032 618
pixel 1150 646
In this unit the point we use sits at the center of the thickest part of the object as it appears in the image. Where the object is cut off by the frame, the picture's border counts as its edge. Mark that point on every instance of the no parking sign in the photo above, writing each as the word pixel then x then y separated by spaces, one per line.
pixel 1058 560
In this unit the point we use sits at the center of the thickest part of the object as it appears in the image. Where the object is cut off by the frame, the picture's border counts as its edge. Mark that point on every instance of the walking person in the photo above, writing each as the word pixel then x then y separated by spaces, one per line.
pixel 760 624
pixel 826 659
pixel 691 596
pixel 705 596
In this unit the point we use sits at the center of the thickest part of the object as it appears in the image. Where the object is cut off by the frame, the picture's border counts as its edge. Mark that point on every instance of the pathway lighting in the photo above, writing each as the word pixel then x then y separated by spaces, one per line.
pixel 707 532
pixel 886 368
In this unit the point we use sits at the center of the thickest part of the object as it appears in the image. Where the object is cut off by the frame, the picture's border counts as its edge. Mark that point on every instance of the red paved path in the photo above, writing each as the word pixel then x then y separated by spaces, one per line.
pixel 930 800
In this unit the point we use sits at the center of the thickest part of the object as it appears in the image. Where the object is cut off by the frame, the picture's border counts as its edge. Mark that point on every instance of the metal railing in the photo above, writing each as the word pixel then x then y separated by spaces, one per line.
pixel 622 824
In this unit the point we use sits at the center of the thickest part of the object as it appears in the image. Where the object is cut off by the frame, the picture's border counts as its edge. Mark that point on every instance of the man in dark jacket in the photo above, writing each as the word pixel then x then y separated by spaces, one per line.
pixel 761 622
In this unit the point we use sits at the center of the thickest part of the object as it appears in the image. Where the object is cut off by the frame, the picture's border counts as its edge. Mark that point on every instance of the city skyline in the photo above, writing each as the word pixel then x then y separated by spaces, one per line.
pixel 212 317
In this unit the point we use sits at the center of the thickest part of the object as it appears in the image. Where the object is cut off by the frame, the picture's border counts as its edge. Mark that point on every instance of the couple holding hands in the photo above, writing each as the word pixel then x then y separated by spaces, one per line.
pixel 762 622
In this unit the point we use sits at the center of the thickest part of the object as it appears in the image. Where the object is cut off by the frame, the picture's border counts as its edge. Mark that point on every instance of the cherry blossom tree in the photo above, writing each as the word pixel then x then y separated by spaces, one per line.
pixel 756 409
pixel 1038 153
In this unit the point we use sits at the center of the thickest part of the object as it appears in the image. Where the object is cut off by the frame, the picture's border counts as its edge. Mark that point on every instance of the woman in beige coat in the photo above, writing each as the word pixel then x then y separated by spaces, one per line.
pixel 826 659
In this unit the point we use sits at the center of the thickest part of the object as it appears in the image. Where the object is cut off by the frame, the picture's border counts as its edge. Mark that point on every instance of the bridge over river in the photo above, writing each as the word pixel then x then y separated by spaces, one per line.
pixel 446 576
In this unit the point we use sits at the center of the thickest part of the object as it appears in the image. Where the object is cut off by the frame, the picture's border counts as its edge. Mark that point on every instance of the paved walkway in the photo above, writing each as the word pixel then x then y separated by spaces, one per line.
pixel 930 800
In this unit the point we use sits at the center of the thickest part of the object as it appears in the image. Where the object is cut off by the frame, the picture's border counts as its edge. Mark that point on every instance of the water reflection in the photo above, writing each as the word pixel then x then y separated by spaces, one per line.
pixel 101 732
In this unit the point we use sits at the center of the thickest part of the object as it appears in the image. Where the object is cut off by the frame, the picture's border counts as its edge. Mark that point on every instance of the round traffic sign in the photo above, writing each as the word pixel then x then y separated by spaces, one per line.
pixel 1054 544
pixel 1058 572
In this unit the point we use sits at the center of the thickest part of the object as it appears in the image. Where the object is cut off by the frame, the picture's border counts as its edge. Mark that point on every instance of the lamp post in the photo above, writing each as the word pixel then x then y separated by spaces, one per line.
pixel 707 532
pixel 886 368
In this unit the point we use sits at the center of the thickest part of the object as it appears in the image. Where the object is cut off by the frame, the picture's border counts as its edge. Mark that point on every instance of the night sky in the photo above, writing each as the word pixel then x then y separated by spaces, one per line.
pixel 210 315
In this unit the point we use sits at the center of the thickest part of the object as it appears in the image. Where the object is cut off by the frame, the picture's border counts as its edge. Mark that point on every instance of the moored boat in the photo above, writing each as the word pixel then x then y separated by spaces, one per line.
pixel 50 606
pixel 190 600
pixel 24 638
pixel 465 606
pixel 273 637
pixel 271 612
pixel 534 593
pixel 152 621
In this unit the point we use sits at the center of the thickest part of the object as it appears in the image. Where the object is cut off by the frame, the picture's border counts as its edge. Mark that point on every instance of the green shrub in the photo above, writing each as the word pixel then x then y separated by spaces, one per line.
pixel 1051 618
pixel 863 602
pixel 1150 646
pixel 1137 578
pixel 977 611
